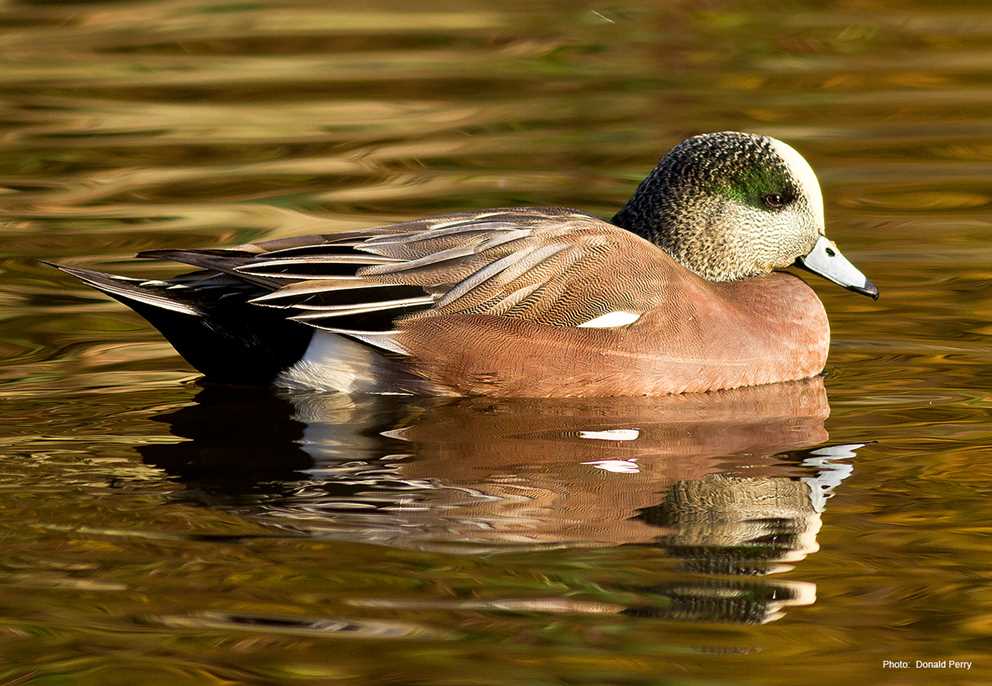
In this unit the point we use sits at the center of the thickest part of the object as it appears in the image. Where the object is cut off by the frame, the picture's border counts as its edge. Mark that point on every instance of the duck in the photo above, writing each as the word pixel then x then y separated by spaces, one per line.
pixel 684 290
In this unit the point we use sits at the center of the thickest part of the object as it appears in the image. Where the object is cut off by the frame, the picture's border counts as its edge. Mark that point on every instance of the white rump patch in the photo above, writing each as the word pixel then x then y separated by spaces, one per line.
pixel 805 176
pixel 333 363
pixel 611 435
pixel 611 320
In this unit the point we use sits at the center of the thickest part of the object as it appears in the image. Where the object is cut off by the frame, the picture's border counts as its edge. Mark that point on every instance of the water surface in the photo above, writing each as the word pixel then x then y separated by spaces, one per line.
pixel 156 531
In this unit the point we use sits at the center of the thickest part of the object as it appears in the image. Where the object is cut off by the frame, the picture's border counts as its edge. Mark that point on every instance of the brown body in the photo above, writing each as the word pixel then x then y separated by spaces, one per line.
pixel 496 303
pixel 711 337
pixel 683 292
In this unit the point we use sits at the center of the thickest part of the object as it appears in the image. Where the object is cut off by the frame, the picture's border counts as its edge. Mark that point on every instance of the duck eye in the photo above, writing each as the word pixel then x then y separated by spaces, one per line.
pixel 773 200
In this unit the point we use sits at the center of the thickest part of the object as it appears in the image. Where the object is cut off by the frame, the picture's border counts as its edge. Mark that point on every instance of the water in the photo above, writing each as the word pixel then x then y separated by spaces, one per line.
pixel 158 532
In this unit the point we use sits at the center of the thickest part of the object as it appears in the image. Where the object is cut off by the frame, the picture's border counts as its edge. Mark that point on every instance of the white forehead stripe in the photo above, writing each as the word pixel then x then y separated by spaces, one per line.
pixel 805 176
pixel 611 320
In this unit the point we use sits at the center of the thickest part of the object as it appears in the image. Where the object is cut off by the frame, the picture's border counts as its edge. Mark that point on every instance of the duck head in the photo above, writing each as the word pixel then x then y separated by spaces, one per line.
pixel 731 206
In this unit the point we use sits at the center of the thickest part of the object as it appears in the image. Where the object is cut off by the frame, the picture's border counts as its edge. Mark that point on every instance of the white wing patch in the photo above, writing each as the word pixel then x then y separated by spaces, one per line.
pixel 616 466
pixel 611 435
pixel 611 320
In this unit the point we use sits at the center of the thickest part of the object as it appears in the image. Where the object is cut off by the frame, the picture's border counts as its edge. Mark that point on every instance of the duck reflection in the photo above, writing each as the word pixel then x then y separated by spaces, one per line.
pixel 730 485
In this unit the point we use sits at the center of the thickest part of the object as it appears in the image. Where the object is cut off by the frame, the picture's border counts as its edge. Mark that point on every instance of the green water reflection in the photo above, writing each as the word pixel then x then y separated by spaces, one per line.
pixel 159 532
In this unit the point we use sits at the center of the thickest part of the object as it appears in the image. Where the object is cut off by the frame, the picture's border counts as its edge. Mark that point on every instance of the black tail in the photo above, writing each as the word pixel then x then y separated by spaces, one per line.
pixel 210 324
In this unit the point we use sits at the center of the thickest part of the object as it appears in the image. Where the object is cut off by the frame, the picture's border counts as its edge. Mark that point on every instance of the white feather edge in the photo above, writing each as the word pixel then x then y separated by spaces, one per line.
pixel 158 301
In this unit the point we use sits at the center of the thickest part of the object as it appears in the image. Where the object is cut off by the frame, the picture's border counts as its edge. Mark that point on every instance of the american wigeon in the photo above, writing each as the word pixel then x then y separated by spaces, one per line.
pixel 678 294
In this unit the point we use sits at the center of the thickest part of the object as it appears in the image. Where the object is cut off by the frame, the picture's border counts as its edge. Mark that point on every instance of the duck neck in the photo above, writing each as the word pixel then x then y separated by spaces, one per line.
pixel 644 213
pixel 630 220
pixel 684 223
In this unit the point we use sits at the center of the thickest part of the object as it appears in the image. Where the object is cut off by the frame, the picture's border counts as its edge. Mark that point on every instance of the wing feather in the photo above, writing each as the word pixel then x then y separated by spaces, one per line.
pixel 551 266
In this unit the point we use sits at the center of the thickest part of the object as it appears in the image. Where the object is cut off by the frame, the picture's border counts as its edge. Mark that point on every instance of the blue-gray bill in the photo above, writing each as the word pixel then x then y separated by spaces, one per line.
pixel 827 261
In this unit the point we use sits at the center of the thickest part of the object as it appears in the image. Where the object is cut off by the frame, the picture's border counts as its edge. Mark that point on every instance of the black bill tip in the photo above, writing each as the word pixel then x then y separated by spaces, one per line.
pixel 869 289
